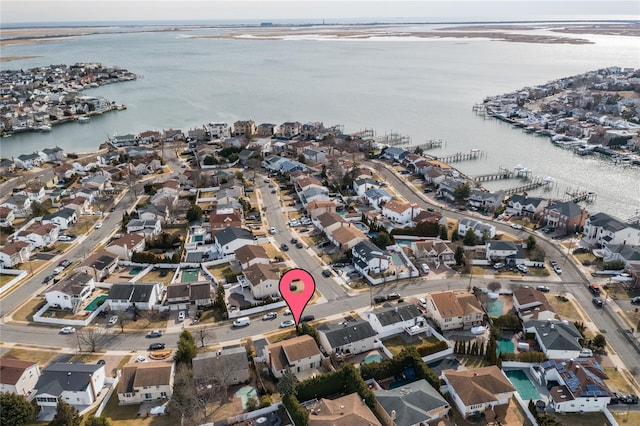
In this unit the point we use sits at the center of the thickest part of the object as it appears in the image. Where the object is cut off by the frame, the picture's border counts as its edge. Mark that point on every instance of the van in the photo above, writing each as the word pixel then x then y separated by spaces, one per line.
pixel 242 322
pixel 425 268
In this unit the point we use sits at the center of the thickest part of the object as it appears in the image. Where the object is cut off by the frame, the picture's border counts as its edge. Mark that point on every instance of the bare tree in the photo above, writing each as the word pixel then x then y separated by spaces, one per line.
pixel 494 286
pixel 184 397
pixel 91 337
pixel 203 334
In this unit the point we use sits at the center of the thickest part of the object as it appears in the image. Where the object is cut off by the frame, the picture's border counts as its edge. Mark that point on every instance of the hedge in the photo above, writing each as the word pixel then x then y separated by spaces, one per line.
pixel 298 413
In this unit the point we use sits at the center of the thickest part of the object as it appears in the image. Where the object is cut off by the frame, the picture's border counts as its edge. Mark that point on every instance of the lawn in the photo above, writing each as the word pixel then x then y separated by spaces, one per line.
pixel 26 311
pixel 278 336
pixel 397 343
pixel 617 382
pixel 154 276
pixel 148 320
pixel 4 279
pixel 218 271
pixel 87 358
pixel 627 418
pixel 41 357
pixel 127 415
pixel 565 308
pixel 586 419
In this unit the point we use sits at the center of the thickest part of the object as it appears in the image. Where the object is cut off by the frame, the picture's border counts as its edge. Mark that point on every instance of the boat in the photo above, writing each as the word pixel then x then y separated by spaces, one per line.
pixel 45 128
pixel 83 119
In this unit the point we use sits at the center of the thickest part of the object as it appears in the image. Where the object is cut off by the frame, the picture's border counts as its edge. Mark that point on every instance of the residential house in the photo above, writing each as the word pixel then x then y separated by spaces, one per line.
pixel 64 218
pixel 428 216
pixel 149 137
pixel 557 339
pixel 78 204
pixel 126 245
pixel 347 338
pixel 369 259
pixel 28 161
pixel 124 140
pixel 99 182
pixel 35 190
pixel 290 129
pixel 299 354
pixel 436 251
pixel 362 185
pixel 530 303
pixel 400 212
pixel 246 154
pixel 397 318
pixel 79 385
pixel 145 166
pixel 6 167
pixel 87 192
pixel 348 410
pixel 51 155
pixel 70 292
pixel 6 217
pixel 602 228
pixel 153 213
pixel 250 255
pixel 580 385
pixel 376 197
pixel 244 128
pixel 14 253
pixel 38 235
pixel 481 229
pixel 347 236
pixel 416 403
pixel 433 175
pixel 453 311
pixel 147 228
pixel 263 280
pixel 219 130
pixel 484 200
pixel 627 254
pixel 221 218
pixel 566 217
pixel 228 366
pixel 395 153
pixel 19 203
pixel 173 135
pixel 314 155
pixel 146 381
pixel 314 193
pixel 505 251
pixel 480 390
pixel 305 182
pixel 266 130
pixel 316 208
pixel 523 205
pixel 18 376
pixel 328 222
pixel 64 172
pixel 99 265
pixel 311 130
pixel 142 296
pixel 448 186
pixel 194 293
pixel 230 239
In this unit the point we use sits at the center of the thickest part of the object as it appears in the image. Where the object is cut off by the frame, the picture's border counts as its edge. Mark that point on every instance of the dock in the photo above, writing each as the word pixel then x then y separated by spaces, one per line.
pixel 474 154
pixel 578 195
pixel 364 134
pixel 536 182
pixel 501 174
pixel 394 139
pixel 479 109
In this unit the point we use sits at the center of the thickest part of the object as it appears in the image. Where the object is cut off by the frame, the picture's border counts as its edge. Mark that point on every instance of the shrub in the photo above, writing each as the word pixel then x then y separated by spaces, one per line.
pixel 265 401
pixel 298 413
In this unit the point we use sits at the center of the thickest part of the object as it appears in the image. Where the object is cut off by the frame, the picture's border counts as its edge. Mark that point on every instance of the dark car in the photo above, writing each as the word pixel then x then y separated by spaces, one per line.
pixel 101 362
pixel 284 247
pixel 307 318
pixel 293 241
pixel 47 279
pixel 597 302
pixel 326 273
pixel 393 296
pixel 594 288
pixel 380 299
pixel 156 346
pixel 299 245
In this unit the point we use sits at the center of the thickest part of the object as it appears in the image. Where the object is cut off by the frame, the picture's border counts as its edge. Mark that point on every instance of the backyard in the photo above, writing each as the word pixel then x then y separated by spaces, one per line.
pixel 397 343
pixel 565 308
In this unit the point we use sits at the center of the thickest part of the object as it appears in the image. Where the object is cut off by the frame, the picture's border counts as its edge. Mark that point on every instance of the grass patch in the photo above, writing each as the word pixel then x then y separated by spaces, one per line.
pixel 127 415
pixel 5 278
pixel 565 308
pixel 586 419
pixel 397 343
pixel 87 358
pixel 472 361
pixel 148 320
pixel 218 270
pixel 125 360
pixel 279 336
pixel 627 417
pixel 617 381
pixel 26 311
pixel 154 276
pixel 41 357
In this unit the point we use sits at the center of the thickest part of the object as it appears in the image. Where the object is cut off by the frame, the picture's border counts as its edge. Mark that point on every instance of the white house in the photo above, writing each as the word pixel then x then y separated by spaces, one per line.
pixel 143 296
pixel 530 303
pixel 328 222
pixel 557 339
pixel 144 227
pixel 400 212
pixel 522 205
pixel 35 190
pixel 14 253
pixel 369 259
pixel 145 381
pixel 7 216
pixel 18 376
pixel 126 245
pixel 479 390
pixel 393 319
pixel 376 197
pixel 230 239
pixel 298 354
pixel 250 255
pixel 347 338
pixel 362 185
pixel 479 228
pixel 19 203
pixel 64 218
pixel 501 250
pixel 601 229
pixel 99 265
pixel 79 385
pixel 38 235
pixel 69 293
pixel 263 280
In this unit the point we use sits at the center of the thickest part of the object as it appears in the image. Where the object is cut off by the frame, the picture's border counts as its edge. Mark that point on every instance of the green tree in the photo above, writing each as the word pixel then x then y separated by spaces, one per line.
pixel 462 192
pixel 252 404
pixel 15 410
pixel 444 233
pixel 531 242
pixel 454 235
pixel 220 298
pixel 599 341
pixel 383 239
pixel 66 415
pixel 418 150
pixel 288 383
pixel 194 213
pixel 97 421
pixel 186 350
pixel 38 209
pixel 459 255
pixel 469 238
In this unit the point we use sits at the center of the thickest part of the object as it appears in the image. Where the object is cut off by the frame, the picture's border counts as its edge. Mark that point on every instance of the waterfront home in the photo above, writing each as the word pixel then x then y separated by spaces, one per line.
pixel 70 292
pixel 124 140
pixel 452 311
pixel 579 385
pixel 99 265
pixel 480 390
pixel 50 155
pixel 298 355
pixel 147 228
pixel 504 251
pixel 416 403
pixel 361 185
pixel 389 319
pixel 14 253
pixel 126 245
pixel 173 135
pixel 557 339
pixel 228 366
pixel 7 216
pixel 369 259
pixel 296 147
pixel 6 167
pixel 316 208
pixel 194 293
pixel 347 236
pixel 435 251
pixel 28 161
pixel 218 130
pixel 602 228
pixel 143 296
pixel 250 255
pixel 19 203
pixel 566 217
pixel 485 200
pixel 18 376
pixel 376 197
pixel 38 235
pixel 79 385
pixel 266 130
pixel 263 280
pixel 481 229
pixel 433 175
pixel 530 303
pixel 230 239
pixel 146 381
pixel 347 338
pixel 523 205
pixel 627 254
pixel 395 153
pixel 348 410
pixel 400 211
pixel 289 129
pixel 242 128
pixel 149 137
pixel 311 130
pixel 448 186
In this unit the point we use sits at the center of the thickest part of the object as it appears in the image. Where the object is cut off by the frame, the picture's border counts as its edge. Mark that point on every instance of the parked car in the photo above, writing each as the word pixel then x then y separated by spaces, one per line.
pixel 287 311
pixel 594 289
pixel 557 270
pixel 287 323
pixel 63 238
pixel 47 279
pixel 635 300
pixel 269 316
pixel 516 226
pixel 522 268
pixel 181 316
pixel 98 225
pixel 393 296
pixel 154 333
pixel 379 299
pixel 628 399
pixel 141 359
pixel 293 240
pixel 327 273
pixel 423 302
pixel 299 245
pixel 307 318
pixel 67 330
pixel 597 302
pixel 425 268
pixel 113 320
pixel 284 247
pixel 64 263
pixel 543 288
pixel 498 265
pixel 156 346
pixel 272 230
pixel 58 269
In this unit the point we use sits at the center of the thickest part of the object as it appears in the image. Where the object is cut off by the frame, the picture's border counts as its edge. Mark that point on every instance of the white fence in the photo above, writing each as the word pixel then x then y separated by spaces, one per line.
pixel 253 414
pixel 37 317
pixel 19 275
pixel 525 409
pixel 105 401
pixel 257 309
pixel 609 416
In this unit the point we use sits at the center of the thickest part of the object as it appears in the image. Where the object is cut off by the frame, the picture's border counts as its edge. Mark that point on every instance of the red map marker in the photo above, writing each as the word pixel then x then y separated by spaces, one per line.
pixel 297 287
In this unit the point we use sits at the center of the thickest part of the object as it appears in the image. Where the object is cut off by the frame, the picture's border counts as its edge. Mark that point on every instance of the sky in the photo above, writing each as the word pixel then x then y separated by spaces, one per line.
pixel 38 11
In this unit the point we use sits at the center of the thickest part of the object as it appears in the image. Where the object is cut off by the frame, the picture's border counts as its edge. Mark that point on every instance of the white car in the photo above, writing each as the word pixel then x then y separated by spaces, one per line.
pixel 113 320
pixel 287 323
pixel 287 312
pixel 58 269
pixel 294 223
pixel 425 268
pixel 423 302
pixel 272 230
pixel 98 225
pixel 64 238
pixel 141 359
pixel 557 270
pixel 522 268
pixel 181 316
pixel 516 226
pixel 67 330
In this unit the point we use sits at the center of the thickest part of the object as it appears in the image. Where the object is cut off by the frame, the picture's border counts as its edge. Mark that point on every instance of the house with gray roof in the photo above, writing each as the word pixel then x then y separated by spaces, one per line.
pixel 500 251
pixel 448 186
pixel 566 217
pixel 523 205
pixel 361 185
pixel 99 265
pixel 314 193
pixel 145 227
pixel 230 239
pixel 229 365
pixel 196 293
pixel 485 200
pixel 479 228
pixel 376 197
pixel 395 153
pixel 557 339
pixel 143 296
pixel 19 203
pixel 627 254
pixel 64 218
pixel 28 161
pixel 52 154
pixel 347 338
pixel 414 403
pixel 602 228
pixel 369 259
pixel 392 319
pixel 70 292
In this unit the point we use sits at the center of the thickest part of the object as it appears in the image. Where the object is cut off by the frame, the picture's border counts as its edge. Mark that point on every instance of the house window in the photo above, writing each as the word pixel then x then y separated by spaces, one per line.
pixel 163 395
pixel 448 319
pixel 476 407
pixel 468 318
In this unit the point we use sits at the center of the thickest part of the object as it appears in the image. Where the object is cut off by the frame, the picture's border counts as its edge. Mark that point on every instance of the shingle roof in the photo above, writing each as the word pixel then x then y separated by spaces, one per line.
pixel 556 335
pixel 392 314
pixel 411 402
pixel 348 410
pixel 230 234
pixel 607 222
pixel 480 385
pixel 345 332
pixel 60 377
pixel 143 374
pixel 11 369
pixel 133 292
pixel 230 357
pixel 297 348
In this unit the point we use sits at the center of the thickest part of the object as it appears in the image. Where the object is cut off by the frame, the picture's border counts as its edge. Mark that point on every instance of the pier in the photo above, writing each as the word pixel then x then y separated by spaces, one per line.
pixel 394 139
pixel 577 195
pixel 364 134
pixel 474 154
pixel 479 109
pixel 536 182
pixel 501 174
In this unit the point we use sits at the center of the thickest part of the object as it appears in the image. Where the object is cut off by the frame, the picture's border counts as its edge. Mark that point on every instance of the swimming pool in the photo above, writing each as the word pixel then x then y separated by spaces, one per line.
pixel 494 307
pixel 135 271
pixel 505 346
pixel 244 393
pixel 372 358
pixel 94 303
pixel 189 275
pixel 522 384
pixel 397 259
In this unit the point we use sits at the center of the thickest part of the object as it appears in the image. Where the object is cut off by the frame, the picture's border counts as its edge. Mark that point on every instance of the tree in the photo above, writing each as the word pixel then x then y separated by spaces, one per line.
pixel 494 286
pixel 383 239
pixel 288 383
pixel 444 233
pixel 186 350
pixel 599 341
pixel 92 337
pixel 462 192
pixel 15 410
pixel 220 298
pixel 459 255
pixel 252 404
pixel 469 238
pixel 38 209
pixel 203 334
pixel 183 397
pixel 454 235
pixel 97 421
pixel 66 415
pixel 194 213
pixel 531 242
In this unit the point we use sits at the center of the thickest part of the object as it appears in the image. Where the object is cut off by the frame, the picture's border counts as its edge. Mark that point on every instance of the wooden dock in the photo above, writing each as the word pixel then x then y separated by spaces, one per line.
pixel 501 174
pixel 364 134
pixel 474 154
pixel 536 182
pixel 394 139
pixel 577 195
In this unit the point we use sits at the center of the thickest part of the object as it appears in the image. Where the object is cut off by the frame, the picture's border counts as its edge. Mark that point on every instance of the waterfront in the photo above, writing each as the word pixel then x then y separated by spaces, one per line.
pixel 421 88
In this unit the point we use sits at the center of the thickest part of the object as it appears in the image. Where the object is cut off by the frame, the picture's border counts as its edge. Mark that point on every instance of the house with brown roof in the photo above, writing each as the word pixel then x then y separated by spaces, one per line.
pixel 196 293
pixel 99 265
pixel 435 251
pixel 250 255
pixel 242 128
pixel 481 390
pixel 298 354
pixel 224 219
pixel 349 410
pixel 308 182
pixel 18 376
pixel 327 222
pixel 346 237
pixel 530 303
pixel 126 245
pixel 14 253
pixel 263 280
pixel 145 381
pixel 290 129
pixel 38 235
pixel 6 217
pixel 35 190
pixel 452 311
pixel 78 204
pixel 316 208
pixel 427 216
